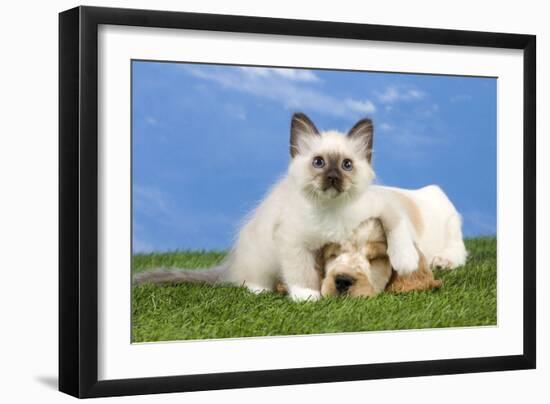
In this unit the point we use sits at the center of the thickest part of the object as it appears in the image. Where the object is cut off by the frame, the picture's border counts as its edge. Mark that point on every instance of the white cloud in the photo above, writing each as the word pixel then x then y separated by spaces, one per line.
pixel 413 94
pixel 149 200
pixel 290 87
pixel 151 120
pixel 386 127
pixel 235 111
pixel 254 72
pixel 415 136
pixel 297 75
pixel 366 107
pixel 290 74
pixel 394 94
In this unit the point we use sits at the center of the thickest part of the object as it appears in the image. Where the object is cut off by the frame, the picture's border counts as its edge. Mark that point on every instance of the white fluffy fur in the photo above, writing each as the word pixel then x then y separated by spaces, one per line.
pixel 441 239
pixel 280 238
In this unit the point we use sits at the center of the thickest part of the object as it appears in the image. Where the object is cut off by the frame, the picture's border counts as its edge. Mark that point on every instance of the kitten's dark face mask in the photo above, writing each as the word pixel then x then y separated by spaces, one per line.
pixel 330 164
pixel 333 172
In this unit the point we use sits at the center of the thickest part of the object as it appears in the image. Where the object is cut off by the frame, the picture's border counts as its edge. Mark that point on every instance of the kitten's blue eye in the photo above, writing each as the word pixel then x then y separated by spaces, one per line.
pixel 318 162
pixel 347 165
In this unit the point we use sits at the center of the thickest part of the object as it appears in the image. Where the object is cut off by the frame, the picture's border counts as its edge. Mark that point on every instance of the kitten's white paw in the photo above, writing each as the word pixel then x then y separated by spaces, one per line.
pixel 257 289
pixel 299 294
pixel 404 260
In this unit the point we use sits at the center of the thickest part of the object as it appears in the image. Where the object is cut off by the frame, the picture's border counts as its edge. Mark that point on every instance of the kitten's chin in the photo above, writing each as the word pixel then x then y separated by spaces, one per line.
pixel 333 193
pixel 329 194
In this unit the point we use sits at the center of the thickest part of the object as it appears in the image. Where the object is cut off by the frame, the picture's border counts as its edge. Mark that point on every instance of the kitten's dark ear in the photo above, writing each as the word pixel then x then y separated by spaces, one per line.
pixel 364 131
pixel 301 128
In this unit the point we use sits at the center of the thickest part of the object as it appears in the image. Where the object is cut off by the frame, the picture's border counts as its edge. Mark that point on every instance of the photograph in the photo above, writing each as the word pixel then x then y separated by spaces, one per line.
pixel 271 201
pixel 255 201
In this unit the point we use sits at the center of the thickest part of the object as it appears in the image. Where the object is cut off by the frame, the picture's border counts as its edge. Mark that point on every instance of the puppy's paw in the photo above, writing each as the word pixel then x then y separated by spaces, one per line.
pixel 404 260
pixel 442 263
pixel 299 294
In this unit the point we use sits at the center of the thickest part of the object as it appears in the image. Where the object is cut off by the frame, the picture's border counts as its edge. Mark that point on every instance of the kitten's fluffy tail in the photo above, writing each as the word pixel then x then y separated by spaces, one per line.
pixel 173 275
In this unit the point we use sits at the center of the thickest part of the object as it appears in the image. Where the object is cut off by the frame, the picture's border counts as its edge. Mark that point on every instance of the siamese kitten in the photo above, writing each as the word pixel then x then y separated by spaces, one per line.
pixel 323 197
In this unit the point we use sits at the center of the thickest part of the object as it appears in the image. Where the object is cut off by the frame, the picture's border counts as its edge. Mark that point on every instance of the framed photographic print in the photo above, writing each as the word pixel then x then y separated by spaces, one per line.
pixel 250 201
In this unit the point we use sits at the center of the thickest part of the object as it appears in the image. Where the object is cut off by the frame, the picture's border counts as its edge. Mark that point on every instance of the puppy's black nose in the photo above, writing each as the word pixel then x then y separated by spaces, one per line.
pixel 343 282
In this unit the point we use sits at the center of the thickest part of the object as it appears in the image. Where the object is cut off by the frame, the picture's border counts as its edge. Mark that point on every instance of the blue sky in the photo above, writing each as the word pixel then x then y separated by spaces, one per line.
pixel 209 140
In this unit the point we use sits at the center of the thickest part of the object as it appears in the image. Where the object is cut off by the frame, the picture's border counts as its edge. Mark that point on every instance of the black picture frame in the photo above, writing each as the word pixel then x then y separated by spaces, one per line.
pixel 78 200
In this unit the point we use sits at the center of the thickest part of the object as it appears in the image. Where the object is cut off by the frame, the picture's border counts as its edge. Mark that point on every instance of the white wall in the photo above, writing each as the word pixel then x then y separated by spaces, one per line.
pixel 28 184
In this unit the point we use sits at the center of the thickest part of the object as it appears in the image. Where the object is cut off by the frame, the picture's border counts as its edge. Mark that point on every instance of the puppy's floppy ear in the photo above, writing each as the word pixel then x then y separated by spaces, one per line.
pixel 363 131
pixel 325 254
pixel 301 129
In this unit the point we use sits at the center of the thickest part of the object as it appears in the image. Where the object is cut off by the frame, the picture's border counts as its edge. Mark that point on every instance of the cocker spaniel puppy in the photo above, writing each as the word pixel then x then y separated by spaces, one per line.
pixel 360 266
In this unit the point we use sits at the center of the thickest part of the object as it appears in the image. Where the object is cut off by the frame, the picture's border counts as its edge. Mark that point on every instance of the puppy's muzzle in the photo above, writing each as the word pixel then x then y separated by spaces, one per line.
pixel 343 283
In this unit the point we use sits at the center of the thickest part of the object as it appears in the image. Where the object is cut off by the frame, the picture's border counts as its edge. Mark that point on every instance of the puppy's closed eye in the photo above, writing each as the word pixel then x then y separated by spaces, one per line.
pixel 331 251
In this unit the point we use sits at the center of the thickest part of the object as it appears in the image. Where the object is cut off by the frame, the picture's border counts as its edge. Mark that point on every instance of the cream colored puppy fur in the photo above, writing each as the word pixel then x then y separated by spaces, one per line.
pixel 436 224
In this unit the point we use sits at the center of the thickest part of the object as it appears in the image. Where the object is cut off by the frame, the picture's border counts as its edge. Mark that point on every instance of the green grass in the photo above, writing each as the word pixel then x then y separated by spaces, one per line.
pixel 195 311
